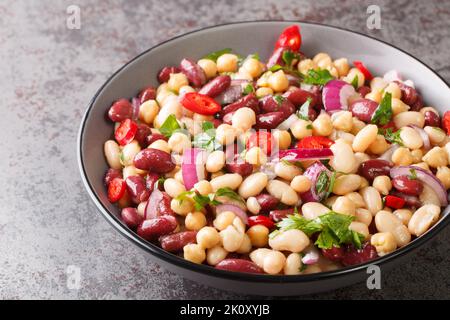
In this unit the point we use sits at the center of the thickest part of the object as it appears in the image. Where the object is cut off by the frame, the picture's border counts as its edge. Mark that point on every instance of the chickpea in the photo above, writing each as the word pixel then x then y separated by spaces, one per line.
pixel 176 81
pixel 388 222
pixel 422 165
pixel 398 106
pixel 209 67
pixel 256 156
pixel 253 205
pixel 215 255
pixel 203 187
pixel 194 253
pixel 173 187
pixel 259 235
pixel 301 183
pixel 436 157
pixel 164 95
pixel 343 121
pixel 283 192
pixel 253 185
pixel 346 183
pixel 227 62
pixel 443 174
pixel 181 92
pixel 287 171
pixel 322 126
pixel 342 66
pixel 231 238
pixel 402 157
pixel 301 128
pixel 394 90
pixel 372 199
pixel 436 135
pixel 208 237
pixel 217 174
pixel 411 139
pixel 263 81
pixel 223 220
pixel 382 184
pixel 148 111
pixel 293 264
pixel 357 199
pixel 404 119
pixel 253 67
pixel 357 126
pixel 333 71
pixel 225 134
pixel 404 215
pixel 195 221
pixel 344 159
pixel 182 208
pixel 379 146
pixel 354 72
pixel 365 137
pixel 179 142
pixel 246 245
pixel 416 155
pixel 263 91
pixel 363 216
pixel 243 119
pixel 305 65
pixel 312 210
pixel 322 60
pixel 361 228
pixel 344 205
pixel 378 84
pixel 384 243
pixel 283 139
pixel 374 96
pixel 278 81
pixel 423 219
pixel 194 128
pixel 215 161
pixel 160 145
pixel 112 154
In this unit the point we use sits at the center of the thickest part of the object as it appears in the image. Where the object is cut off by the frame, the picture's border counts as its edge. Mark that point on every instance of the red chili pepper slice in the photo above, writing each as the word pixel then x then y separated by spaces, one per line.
pixel 125 132
pixel 361 67
pixel 200 103
pixel 263 220
pixel 290 38
pixel 262 139
pixel 116 189
pixel 446 122
pixel 314 142
pixel 394 202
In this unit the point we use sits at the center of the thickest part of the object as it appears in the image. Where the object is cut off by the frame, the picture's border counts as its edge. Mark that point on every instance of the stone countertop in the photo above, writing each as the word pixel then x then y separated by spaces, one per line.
pixel 48 225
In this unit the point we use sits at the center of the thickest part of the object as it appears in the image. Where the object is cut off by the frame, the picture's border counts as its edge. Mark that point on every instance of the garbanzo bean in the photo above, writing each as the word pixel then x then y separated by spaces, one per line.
pixel 215 255
pixel 243 119
pixel 384 243
pixel 208 66
pixel 227 62
pixel 342 66
pixel 443 174
pixel 436 157
pixel 301 128
pixel 194 253
pixel 322 126
pixel 256 156
pixel 223 220
pixel 259 235
pixel 176 81
pixel 263 91
pixel 253 67
pixel 208 237
pixel 278 81
pixel 402 157
pixel 195 220
pixel 283 139
pixel 343 121
pixel 148 111
pixel 305 65
pixel 182 208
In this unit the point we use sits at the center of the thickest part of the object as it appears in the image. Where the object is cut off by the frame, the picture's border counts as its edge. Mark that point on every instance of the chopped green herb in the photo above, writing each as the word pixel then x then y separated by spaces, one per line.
pixel 207 139
pixel 322 182
pixel 248 89
pixel 303 111
pixel 309 126
pixel 383 114
pixel 200 201
pixel 275 67
pixel 289 57
pixel 318 77
pixel 274 233
pixel 228 192
pixel 254 56
pixel 392 137
pixel 303 267
pixel 169 126
pixel 355 82
pixel 296 221
pixel 413 175
pixel 279 99
pixel 216 54
pixel 207 125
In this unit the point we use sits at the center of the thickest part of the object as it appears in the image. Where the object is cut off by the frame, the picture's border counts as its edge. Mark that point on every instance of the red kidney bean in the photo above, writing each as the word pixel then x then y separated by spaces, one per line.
pixel 270 104
pixel 408 186
pixel 216 122
pixel 111 174
pixel 142 133
pixel 364 90
pixel 158 205
pixel 150 181
pixel 334 254
pixel 299 96
pixel 154 228
pixel 193 72
pixel 278 215
pixel 131 217
pixel 163 207
pixel 137 188
pixel 239 265
pixel 230 95
pixel 216 86
pixel 249 101
pixel 276 58
pixel 432 119
pixel 176 241
pixel 363 109
pixel 409 94
pixel 354 256
pixel 417 105
pixel 155 136
pixel 269 120
pixel 240 167
pixel 164 74
pixel 374 167
pixel 154 160
pixel 120 110
pixel 410 201
pixel 294 81
pixel 267 202
pixel 146 94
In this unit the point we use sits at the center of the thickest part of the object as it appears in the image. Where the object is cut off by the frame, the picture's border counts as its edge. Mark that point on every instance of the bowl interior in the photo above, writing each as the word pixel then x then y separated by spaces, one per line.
pixel 243 38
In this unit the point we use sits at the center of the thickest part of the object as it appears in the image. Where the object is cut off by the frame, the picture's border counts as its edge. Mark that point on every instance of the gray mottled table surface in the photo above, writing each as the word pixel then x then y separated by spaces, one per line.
pixel 48 74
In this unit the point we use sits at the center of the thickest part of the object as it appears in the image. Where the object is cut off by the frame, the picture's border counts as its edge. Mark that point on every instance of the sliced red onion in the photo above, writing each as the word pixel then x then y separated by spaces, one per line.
pixel 235 209
pixel 335 95
pixel 426 177
pixel 423 135
pixel 392 75
pixel 409 83
pixel 286 124
pixel 312 173
pixel 152 204
pixel 311 256
pixel 136 104
pixel 305 154
pixel 293 80
pixel 387 155
pixel 193 167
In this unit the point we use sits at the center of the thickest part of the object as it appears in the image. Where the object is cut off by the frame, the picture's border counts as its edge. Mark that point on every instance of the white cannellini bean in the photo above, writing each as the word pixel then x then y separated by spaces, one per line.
pixel 283 192
pixel 230 180
pixel 423 219
pixel 292 240
pixel 231 238
pixel 346 183
pixel 312 210
pixel 112 154
pixel 409 117
pixel 215 161
pixel 365 137
pixel 387 222
pixel 344 159
pixel 411 139
pixel 173 187
pixel 287 171
pixel 274 262
pixel 253 185
pixel 293 264
pixel 372 198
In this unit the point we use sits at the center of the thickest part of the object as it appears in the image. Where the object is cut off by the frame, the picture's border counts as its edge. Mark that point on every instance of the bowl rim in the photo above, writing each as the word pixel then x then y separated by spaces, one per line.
pixel 240 276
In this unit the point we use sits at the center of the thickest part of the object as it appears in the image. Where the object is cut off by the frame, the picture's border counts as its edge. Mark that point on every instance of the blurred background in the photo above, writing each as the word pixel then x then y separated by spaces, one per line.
pixel 53 242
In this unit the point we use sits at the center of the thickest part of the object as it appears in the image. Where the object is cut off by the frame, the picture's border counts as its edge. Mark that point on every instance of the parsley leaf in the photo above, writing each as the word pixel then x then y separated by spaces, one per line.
pixel 199 200
pixel 303 112
pixel 355 82
pixel 248 89
pixel 383 113
pixel 289 56
pixel 322 182
pixel 275 67
pixel 169 126
pixel 207 125
pixel 207 139
pixel 228 192
pixel 279 99
pixel 392 137
pixel 413 175
pixel 318 77
pixel 254 56
pixel 216 54
pixel 297 221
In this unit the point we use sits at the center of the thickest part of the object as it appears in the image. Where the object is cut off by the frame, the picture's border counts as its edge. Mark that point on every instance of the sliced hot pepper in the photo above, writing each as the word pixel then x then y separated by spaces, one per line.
pixel 200 103
pixel 361 67
pixel 125 132
pixel 394 202
pixel 263 220
pixel 446 122
pixel 314 142
pixel 116 189
pixel 290 38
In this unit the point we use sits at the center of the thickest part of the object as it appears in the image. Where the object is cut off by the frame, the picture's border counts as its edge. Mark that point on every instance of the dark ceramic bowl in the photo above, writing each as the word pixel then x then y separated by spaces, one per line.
pixel 245 38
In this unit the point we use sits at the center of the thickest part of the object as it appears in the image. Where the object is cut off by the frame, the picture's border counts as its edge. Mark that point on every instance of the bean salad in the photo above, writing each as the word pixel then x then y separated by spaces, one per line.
pixel 290 166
